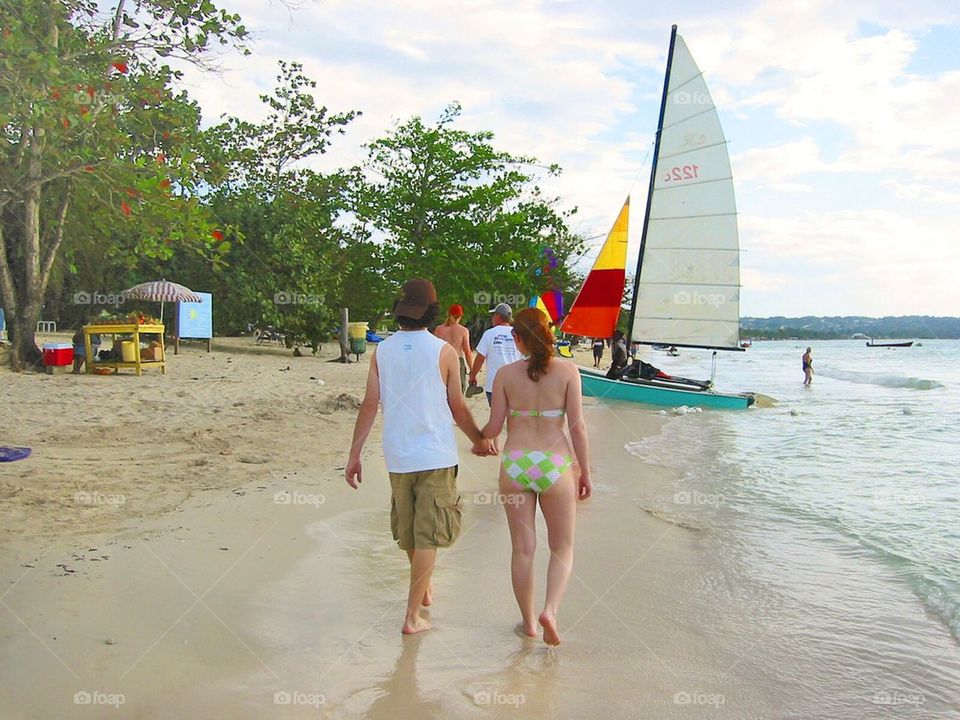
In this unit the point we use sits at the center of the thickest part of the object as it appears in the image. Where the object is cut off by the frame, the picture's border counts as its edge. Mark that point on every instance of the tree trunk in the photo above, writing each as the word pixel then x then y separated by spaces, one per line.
pixel 23 344
pixel 344 338
pixel 23 279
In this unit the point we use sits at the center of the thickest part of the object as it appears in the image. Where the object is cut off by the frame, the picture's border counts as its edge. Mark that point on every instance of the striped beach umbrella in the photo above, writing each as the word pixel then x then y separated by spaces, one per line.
pixel 161 291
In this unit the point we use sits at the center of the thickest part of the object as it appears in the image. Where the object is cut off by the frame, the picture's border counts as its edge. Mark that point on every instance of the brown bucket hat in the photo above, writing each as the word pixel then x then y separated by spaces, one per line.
pixel 415 297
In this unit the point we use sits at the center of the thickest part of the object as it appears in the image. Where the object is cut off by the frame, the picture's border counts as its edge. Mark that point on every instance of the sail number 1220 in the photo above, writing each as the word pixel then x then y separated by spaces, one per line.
pixel 682 172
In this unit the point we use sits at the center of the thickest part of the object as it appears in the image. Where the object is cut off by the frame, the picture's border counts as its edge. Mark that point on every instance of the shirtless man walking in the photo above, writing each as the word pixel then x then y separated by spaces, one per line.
pixel 459 337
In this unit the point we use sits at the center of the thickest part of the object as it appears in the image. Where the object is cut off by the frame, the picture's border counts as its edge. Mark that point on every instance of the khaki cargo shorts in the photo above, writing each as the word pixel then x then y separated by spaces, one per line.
pixel 425 508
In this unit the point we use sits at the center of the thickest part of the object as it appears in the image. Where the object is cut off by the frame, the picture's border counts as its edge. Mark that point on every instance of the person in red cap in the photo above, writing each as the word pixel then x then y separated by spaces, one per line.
pixel 415 379
pixel 457 335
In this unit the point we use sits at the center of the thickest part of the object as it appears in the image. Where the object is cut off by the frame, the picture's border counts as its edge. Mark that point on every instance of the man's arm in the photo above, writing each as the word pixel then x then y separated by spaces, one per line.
pixel 365 419
pixel 477 365
pixel 450 372
pixel 483 347
pixel 467 352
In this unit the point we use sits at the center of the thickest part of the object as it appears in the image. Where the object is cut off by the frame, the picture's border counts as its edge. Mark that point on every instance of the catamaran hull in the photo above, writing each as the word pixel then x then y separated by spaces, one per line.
pixel 651 393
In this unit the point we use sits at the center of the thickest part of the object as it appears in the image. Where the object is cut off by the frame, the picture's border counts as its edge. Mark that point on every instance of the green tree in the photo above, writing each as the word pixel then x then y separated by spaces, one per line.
pixel 452 208
pixel 292 248
pixel 87 114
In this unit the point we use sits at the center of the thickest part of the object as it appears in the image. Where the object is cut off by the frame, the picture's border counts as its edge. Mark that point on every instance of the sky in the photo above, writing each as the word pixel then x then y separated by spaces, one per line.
pixel 843 118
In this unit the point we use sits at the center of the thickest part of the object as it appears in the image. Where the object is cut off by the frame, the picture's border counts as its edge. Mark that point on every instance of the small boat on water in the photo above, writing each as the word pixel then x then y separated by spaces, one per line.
pixel 686 290
pixel 871 343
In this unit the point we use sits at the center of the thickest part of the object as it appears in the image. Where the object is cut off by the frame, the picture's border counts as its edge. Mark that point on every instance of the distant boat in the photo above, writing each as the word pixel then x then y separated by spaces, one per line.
pixel 746 343
pixel 687 286
pixel 871 343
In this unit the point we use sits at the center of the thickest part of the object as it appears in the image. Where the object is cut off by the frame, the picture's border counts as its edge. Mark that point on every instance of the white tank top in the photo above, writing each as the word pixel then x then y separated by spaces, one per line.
pixel 417 422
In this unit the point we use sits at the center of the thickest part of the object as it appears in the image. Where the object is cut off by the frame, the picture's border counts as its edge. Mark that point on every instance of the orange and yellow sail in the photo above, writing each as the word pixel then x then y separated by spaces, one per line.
pixel 595 311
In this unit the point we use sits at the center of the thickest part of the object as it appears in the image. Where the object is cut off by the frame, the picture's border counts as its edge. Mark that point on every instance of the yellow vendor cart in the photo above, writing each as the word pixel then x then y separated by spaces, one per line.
pixel 131 355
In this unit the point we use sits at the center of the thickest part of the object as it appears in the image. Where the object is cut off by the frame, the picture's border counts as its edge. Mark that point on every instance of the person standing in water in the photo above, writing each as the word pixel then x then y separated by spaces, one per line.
pixel 414 377
pixel 538 398
pixel 597 351
pixel 459 337
pixel 808 367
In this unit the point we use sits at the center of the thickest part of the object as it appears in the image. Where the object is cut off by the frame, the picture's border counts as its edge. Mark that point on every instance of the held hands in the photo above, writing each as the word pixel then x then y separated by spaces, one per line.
pixel 485 447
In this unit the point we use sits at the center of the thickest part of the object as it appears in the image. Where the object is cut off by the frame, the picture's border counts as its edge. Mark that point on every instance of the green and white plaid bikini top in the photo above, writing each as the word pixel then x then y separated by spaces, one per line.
pixel 560 412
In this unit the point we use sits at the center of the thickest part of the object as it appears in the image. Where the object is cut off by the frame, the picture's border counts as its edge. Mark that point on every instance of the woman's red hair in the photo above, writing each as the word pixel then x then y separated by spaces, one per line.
pixel 531 327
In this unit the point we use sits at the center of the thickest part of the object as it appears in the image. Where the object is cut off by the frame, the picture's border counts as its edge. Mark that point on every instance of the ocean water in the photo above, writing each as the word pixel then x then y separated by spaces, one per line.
pixel 832 519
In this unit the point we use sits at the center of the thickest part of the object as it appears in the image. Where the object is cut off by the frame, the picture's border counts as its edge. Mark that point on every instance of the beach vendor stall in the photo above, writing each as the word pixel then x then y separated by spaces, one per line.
pixel 127 351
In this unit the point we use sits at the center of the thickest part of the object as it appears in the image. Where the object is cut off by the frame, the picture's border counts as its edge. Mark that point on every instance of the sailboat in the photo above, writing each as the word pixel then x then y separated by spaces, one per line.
pixel 686 290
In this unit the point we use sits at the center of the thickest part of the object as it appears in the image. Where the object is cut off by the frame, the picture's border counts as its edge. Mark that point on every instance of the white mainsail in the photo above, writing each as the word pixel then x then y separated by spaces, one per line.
pixel 688 286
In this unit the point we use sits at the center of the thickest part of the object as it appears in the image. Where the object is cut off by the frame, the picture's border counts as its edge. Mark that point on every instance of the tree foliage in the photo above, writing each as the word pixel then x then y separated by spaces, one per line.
pixel 87 114
pixel 452 208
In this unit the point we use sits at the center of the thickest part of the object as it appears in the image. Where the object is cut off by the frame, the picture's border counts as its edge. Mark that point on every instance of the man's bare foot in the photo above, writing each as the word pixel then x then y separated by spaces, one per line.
pixel 427 596
pixel 525 632
pixel 411 627
pixel 550 634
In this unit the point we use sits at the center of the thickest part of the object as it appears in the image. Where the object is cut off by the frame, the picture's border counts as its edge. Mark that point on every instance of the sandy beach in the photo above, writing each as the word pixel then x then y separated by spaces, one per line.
pixel 184 546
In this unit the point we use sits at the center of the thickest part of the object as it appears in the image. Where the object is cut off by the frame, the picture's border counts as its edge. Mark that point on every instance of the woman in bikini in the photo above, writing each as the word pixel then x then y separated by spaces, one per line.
pixel 538 398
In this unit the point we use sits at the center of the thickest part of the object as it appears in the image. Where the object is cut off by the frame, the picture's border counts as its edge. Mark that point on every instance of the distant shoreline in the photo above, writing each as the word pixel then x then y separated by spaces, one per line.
pixel 907 327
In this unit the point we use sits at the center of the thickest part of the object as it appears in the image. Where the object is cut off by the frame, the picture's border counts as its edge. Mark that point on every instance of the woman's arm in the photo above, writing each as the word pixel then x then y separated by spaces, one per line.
pixel 578 433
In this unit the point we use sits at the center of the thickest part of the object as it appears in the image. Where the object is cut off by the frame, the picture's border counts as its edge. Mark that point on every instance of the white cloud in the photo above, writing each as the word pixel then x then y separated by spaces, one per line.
pixel 578 83
pixel 777 163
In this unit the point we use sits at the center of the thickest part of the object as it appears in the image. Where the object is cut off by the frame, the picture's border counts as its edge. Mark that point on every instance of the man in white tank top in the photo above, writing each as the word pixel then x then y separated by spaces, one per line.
pixel 415 377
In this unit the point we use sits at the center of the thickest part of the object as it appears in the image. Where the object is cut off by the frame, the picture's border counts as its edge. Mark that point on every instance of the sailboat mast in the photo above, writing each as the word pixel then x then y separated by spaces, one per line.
pixel 653 179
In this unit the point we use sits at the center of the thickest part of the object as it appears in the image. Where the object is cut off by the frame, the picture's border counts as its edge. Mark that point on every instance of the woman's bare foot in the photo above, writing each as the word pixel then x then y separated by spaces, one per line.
pixel 427 596
pixel 415 625
pixel 550 634
pixel 525 632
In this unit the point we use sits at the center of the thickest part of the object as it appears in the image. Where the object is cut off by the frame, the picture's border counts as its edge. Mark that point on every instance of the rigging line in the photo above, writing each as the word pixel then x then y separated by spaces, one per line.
pixel 693 217
pixel 698 249
pixel 690 150
pixel 689 117
pixel 643 164
pixel 691 284
pixel 687 82
pixel 683 184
